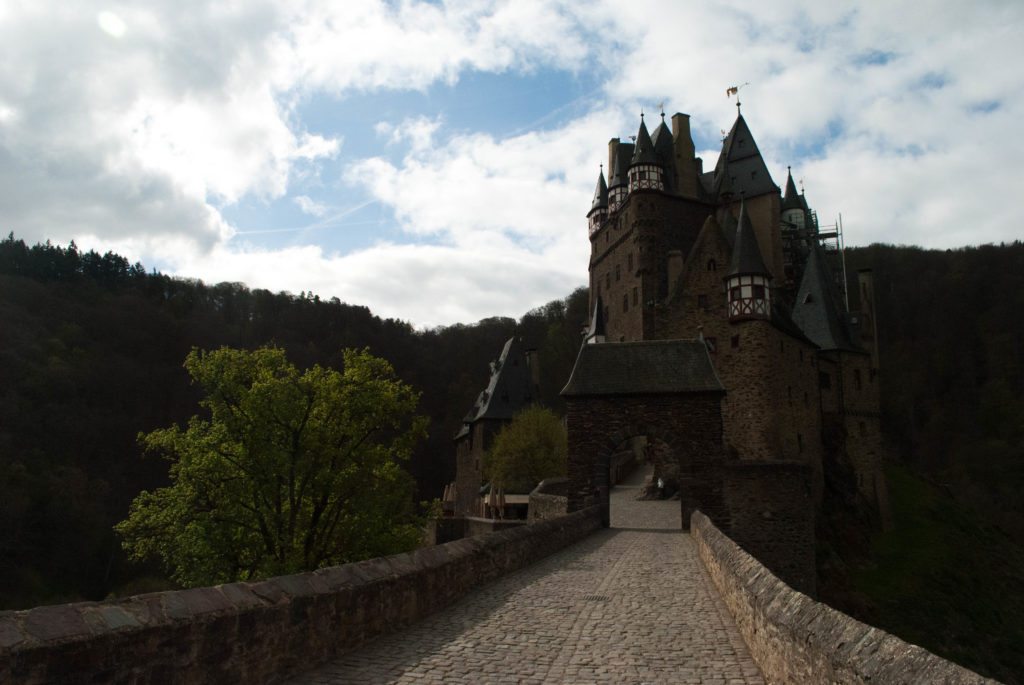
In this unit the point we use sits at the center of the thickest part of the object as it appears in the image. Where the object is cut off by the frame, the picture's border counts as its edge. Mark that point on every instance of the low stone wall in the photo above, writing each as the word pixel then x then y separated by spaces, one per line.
pixel 797 640
pixel 255 632
pixel 548 500
pixel 476 525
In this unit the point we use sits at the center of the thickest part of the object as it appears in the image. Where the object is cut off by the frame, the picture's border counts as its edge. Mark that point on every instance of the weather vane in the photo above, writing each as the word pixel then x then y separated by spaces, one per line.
pixel 735 90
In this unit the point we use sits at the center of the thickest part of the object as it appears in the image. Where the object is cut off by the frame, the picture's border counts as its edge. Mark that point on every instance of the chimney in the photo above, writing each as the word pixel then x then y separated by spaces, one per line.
pixel 686 168
pixel 613 145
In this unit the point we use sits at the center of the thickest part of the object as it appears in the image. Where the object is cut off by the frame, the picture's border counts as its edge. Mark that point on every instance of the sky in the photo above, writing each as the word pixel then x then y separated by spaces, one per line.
pixel 435 161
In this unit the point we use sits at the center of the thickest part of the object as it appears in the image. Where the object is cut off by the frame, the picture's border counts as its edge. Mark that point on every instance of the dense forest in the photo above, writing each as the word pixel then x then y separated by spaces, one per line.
pixel 91 352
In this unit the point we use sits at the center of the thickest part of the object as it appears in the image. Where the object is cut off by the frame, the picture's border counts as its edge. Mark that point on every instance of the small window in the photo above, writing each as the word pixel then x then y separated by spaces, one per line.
pixel 625 303
pixel 608 280
pixel 702 302
pixel 629 261
pixel 800 443
pixel 807 402
pixel 735 293
pixel 636 297
pixel 618 274
pixel 759 292
pixel 712 265
pixel 735 342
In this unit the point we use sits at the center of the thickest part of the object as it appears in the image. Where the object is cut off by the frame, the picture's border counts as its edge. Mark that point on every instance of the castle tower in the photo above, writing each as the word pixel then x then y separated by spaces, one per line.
pixel 619 155
pixel 644 171
pixel 747 282
pixel 599 207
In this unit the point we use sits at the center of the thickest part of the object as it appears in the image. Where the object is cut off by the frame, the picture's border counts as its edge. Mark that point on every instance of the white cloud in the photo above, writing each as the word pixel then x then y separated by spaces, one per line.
pixel 310 206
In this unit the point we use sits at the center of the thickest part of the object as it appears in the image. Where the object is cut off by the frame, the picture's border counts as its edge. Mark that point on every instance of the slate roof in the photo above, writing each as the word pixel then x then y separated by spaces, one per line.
pixel 643 152
pixel 817 311
pixel 662 139
pixel 643 368
pixel 600 194
pixel 746 253
pixel 620 166
pixel 741 169
pixel 508 391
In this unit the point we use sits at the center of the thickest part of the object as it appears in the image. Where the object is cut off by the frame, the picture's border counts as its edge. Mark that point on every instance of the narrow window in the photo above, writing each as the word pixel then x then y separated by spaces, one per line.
pixel 618 274
pixel 759 292
pixel 712 265
pixel 625 303
pixel 735 341
pixel 702 302
pixel 806 401
pixel 856 378
pixel 636 297
pixel 629 261
pixel 608 280
pixel 800 443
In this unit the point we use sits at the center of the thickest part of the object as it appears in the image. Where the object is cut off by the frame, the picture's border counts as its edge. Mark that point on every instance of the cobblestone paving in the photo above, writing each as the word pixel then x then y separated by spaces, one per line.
pixel 624 605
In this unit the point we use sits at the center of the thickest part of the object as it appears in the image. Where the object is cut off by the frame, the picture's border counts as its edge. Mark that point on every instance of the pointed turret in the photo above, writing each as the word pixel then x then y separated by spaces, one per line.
pixel 792 199
pixel 748 277
pixel 816 310
pixel 664 152
pixel 740 166
pixel 618 187
pixel 599 207
pixel 644 171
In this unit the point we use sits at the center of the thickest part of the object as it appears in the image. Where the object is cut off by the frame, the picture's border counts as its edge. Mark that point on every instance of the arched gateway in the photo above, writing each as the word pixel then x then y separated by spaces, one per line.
pixel 666 390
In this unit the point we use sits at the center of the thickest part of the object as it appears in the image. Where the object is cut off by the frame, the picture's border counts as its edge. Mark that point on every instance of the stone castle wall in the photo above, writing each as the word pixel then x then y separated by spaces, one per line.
pixel 797 640
pixel 254 632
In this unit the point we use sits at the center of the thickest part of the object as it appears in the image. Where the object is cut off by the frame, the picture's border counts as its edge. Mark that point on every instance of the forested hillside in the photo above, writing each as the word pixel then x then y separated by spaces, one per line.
pixel 91 352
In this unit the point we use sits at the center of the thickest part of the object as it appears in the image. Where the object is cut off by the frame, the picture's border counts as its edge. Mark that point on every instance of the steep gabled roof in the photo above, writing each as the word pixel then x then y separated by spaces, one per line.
pixel 643 368
pixel 817 311
pixel 746 253
pixel 644 150
pixel 740 166
pixel 509 388
pixel 620 166
pixel 600 194
pixel 663 144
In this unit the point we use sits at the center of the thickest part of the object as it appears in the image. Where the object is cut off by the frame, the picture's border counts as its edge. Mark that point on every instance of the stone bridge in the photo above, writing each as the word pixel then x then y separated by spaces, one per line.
pixel 558 601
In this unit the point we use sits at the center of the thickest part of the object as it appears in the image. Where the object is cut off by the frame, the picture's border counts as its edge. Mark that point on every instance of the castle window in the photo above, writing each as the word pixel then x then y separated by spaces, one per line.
pixel 735 342
pixel 636 297
pixel 629 261
pixel 759 292
pixel 702 302
pixel 824 380
pixel 608 280
pixel 712 265
pixel 806 401
pixel 799 443
pixel 618 274
pixel 625 303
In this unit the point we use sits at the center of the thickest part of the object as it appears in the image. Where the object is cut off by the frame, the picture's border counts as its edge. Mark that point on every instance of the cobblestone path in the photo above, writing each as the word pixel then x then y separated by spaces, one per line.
pixel 630 604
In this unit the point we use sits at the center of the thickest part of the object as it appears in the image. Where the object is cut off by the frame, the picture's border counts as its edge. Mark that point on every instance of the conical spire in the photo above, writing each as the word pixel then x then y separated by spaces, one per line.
pixel 644 152
pixel 662 141
pixel 600 194
pixel 746 254
pixel 816 310
pixel 740 168
pixel 791 200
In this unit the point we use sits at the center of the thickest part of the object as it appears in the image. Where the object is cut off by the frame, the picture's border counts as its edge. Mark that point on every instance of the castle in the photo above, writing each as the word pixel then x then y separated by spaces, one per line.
pixel 715 294
pixel 720 341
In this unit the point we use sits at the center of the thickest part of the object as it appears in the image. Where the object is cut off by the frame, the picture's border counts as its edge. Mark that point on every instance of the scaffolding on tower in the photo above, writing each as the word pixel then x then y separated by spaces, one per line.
pixel 831 239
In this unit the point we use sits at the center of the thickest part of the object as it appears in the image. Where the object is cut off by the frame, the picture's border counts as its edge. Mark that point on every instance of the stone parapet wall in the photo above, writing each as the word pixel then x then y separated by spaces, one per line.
pixel 255 632
pixel 797 640
pixel 548 500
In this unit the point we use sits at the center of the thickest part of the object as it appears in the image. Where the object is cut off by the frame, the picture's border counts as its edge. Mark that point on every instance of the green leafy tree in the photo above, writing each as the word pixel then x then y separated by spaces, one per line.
pixel 530 448
pixel 292 471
